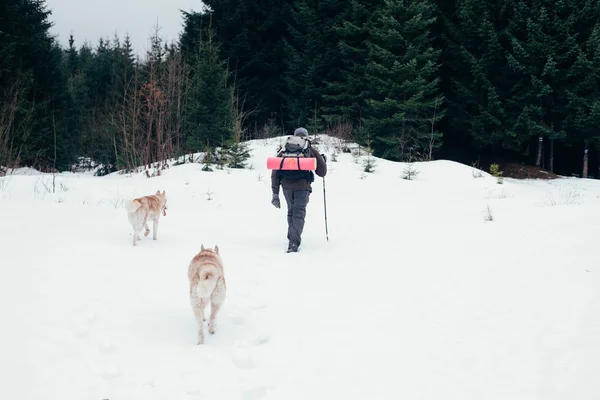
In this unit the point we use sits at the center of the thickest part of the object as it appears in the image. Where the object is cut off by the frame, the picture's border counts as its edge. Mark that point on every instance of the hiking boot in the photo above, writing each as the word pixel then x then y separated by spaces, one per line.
pixel 292 248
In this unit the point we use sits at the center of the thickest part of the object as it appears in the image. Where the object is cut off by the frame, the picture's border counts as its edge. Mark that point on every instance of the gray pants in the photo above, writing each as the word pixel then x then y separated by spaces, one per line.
pixel 296 203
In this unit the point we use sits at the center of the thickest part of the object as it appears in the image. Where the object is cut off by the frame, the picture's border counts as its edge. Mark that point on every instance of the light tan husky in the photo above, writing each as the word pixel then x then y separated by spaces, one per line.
pixel 207 285
pixel 143 208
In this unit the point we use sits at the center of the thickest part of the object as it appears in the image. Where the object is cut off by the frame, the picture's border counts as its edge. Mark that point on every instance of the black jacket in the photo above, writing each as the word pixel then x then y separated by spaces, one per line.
pixel 300 184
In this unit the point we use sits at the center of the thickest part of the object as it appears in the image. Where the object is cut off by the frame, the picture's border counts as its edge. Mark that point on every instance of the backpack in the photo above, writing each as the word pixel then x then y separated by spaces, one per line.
pixel 295 146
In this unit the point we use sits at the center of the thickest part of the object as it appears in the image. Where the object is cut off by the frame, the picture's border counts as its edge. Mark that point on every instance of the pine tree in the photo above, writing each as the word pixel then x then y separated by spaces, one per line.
pixel 346 90
pixel 193 24
pixel 583 93
pixel 543 48
pixel 312 59
pixel 33 88
pixel 300 51
pixel 403 83
pixel 250 33
pixel 476 73
pixel 209 114
pixel 72 60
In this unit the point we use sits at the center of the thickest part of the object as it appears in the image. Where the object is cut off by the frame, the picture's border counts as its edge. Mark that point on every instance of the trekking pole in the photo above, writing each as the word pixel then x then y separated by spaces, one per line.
pixel 325 206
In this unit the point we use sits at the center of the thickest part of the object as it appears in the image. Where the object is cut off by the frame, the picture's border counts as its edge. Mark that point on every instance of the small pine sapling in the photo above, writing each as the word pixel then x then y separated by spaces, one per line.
pixel 410 172
pixel 369 161
pixel 495 171
pixel 238 155
pixel 209 159
pixel 239 152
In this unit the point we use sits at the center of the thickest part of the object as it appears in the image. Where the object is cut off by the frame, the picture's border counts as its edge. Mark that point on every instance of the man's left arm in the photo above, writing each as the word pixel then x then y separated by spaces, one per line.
pixel 321 164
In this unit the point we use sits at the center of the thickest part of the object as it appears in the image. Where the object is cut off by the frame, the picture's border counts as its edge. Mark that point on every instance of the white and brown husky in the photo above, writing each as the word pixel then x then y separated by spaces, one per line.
pixel 143 208
pixel 207 285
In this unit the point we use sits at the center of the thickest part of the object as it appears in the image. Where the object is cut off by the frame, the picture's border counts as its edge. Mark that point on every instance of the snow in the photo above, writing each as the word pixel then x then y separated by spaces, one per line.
pixel 414 295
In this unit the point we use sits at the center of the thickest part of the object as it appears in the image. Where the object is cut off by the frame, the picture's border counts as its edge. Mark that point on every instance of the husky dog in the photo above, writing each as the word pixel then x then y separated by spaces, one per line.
pixel 207 285
pixel 143 208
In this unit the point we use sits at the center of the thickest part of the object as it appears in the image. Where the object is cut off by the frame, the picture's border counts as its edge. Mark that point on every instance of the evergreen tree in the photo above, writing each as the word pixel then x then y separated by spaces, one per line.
pixel 346 90
pixel 250 33
pixel 209 114
pixel 543 47
pixel 189 39
pixel 312 59
pixel 477 78
pixel 583 95
pixel 32 88
pixel 72 59
pixel 404 101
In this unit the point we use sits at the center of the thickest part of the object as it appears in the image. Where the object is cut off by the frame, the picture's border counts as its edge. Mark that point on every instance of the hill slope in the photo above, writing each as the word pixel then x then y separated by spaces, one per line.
pixel 415 295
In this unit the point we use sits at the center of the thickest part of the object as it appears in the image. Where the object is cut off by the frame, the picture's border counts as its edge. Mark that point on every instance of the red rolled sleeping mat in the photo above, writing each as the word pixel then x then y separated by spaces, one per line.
pixel 289 163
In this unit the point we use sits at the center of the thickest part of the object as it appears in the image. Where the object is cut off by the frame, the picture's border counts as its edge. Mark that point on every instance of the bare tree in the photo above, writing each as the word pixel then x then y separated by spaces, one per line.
pixel 585 161
pixel 432 122
pixel 342 131
pixel 14 132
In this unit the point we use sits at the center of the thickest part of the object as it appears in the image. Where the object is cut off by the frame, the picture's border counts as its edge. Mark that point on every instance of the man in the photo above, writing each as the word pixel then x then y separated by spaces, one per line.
pixel 297 190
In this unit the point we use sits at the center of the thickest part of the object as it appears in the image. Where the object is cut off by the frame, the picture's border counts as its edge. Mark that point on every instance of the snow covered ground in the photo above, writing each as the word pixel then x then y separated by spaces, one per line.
pixel 415 296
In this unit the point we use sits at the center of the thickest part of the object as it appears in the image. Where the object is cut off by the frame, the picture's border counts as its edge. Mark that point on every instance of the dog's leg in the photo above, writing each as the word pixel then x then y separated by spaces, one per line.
pixel 214 309
pixel 199 314
pixel 217 300
pixel 154 229
pixel 144 224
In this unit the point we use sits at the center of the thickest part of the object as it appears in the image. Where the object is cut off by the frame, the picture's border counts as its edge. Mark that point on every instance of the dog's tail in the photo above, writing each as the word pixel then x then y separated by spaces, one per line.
pixel 207 281
pixel 132 206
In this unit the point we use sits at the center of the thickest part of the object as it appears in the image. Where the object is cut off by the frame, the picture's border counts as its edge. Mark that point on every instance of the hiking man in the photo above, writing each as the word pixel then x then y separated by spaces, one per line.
pixel 296 184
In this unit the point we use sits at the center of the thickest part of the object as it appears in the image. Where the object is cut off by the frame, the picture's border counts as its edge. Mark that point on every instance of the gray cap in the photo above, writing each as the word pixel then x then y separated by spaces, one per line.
pixel 301 132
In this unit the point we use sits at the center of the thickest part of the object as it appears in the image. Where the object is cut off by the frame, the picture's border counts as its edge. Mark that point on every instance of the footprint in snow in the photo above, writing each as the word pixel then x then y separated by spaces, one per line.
pixel 254 393
pixel 254 385
pixel 84 328
pixel 241 355
pixel 262 339
pixel 258 305
pixel 111 371
pixel 107 346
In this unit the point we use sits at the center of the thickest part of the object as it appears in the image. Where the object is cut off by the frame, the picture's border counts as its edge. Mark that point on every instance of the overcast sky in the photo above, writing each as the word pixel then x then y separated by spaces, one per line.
pixel 91 19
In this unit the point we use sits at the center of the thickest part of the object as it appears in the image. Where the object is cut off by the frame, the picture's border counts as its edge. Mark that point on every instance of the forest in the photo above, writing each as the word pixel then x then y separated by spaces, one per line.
pixel 472 81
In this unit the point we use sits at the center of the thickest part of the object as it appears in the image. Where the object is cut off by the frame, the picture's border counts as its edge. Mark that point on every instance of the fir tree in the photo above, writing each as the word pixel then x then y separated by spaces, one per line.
pixel 312 59
pixel 238 152
pixel 402 75
pixel 209 114
pixel 583 96
pixel 33 88
pixel 251 33
pixel 478 80
pixel 346 90
pixel 543 48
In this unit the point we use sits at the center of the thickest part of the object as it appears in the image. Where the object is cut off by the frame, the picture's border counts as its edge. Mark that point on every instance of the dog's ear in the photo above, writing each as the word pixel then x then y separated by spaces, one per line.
pixel 164 193
pixel 202 247
pixel 216 249
pixel 158 192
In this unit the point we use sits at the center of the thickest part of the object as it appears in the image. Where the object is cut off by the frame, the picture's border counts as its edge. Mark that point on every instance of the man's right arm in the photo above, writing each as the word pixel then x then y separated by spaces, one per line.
pixel 275 181
pixel 275 178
